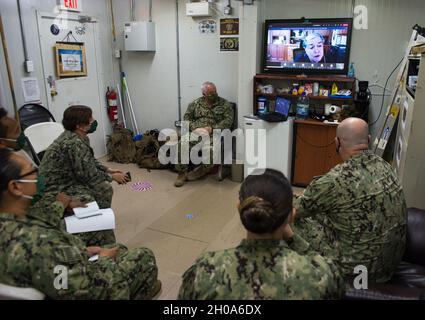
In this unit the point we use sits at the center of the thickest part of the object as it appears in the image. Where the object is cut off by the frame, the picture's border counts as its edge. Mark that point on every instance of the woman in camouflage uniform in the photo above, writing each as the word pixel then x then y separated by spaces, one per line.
pixel 273 262
pixel 69 166
pixel 36 255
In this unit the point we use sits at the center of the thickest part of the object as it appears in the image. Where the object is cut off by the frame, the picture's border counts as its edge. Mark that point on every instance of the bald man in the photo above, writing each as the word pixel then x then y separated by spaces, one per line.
pixel 356 213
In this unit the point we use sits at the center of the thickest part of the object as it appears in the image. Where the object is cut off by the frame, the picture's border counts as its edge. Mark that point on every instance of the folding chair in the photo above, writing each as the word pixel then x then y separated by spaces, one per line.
pixel 40 136
pixel 30 114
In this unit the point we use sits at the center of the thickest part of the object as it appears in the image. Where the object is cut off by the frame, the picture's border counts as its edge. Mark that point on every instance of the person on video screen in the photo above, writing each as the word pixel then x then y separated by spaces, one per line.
pixel 313 45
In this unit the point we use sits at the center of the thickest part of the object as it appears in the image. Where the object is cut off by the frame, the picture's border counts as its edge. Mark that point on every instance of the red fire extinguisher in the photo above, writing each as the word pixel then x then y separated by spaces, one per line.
pixel 111 96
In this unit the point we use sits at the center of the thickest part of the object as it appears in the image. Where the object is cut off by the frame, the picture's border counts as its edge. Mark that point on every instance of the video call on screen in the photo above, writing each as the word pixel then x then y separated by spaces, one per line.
pixel 314 47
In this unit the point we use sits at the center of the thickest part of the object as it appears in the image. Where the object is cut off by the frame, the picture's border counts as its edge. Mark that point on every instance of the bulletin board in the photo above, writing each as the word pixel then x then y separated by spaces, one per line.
pixel 70 59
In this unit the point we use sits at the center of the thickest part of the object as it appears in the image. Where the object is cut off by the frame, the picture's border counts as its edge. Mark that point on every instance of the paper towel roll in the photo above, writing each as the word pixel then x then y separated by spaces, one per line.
pixel 327 109
pixel 334 109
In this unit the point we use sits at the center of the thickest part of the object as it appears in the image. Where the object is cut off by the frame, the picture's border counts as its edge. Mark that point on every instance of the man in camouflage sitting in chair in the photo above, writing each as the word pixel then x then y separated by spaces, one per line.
pixel 204 115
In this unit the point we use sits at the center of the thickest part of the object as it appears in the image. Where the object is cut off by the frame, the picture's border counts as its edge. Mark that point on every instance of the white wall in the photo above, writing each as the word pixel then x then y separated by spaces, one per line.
pixel 152 77
pixel 379 48
pixel 9 12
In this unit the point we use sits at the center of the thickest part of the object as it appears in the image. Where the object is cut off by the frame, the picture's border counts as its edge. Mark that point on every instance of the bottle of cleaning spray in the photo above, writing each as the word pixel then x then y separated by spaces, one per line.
pixel 351 71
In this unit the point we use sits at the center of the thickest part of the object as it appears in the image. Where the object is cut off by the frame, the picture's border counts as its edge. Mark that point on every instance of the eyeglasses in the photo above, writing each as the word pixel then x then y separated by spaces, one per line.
pixel 28 174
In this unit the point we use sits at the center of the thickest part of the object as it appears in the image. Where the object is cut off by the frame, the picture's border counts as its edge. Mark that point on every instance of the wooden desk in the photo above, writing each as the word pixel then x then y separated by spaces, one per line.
pixel 314 150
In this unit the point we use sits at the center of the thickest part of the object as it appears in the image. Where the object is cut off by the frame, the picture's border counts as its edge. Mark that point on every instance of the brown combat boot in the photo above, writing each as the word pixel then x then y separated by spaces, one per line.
pixel 198 173
pixel 181 179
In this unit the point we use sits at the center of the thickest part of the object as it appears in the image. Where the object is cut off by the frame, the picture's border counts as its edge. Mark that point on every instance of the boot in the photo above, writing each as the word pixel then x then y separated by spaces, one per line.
pixel 198 173
pixel 151 294
pixel 156 290
pixel 181 179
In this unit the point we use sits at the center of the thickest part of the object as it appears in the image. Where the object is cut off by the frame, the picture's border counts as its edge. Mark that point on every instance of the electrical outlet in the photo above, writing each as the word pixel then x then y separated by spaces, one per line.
pixel 29 66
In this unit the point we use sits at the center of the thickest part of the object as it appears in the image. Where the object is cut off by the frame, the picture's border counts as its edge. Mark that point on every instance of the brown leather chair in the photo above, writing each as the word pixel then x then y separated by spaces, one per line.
pixel 408 282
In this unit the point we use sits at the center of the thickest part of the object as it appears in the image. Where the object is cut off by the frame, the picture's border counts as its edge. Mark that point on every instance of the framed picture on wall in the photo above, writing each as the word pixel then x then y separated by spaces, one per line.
pixel 70 59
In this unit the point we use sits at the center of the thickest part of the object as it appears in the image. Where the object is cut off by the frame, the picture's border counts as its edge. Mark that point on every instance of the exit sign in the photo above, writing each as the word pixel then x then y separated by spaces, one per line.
pixel 71 5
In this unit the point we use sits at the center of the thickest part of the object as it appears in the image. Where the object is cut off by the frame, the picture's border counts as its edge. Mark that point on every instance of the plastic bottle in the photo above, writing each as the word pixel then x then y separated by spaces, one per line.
pixel 334 89
pixel 262 105
pixel 303 107
pixel 351 71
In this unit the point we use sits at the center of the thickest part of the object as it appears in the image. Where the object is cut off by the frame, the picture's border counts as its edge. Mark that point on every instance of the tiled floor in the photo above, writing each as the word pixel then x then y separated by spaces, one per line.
pixel 178 224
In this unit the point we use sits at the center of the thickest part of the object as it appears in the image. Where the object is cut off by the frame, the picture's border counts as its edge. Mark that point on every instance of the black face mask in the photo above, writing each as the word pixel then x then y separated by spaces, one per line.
pixel 339 146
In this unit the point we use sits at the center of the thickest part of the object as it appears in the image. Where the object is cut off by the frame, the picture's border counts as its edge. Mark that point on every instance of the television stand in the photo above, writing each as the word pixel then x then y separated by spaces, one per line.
pixel 313 141
pixel 281 85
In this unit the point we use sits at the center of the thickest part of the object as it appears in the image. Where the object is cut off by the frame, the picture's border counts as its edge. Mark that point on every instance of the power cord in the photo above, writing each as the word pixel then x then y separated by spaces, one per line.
pixel 383 93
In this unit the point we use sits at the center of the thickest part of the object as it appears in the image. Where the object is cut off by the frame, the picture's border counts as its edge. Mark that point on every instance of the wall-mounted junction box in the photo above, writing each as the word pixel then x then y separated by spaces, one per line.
pixel 139 36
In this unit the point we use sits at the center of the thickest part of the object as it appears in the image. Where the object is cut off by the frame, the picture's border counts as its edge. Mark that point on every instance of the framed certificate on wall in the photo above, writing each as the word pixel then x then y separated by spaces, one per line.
pixel 70 59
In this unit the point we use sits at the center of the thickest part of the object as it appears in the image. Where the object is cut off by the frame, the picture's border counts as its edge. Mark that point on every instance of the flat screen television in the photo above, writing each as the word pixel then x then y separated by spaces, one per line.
pixel 307 46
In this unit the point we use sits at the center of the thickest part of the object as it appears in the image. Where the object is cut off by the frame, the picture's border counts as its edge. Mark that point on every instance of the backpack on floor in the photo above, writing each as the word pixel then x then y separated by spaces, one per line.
pixel 121 147
pixel 147 151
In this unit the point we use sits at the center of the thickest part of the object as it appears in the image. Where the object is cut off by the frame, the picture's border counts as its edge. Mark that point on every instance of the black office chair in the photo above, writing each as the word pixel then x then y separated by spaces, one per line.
pixel 30 114
pixel 224 168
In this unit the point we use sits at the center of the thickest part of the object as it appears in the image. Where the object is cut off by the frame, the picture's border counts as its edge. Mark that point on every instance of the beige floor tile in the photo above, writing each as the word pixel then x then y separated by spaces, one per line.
pixel 173 293
pixel 212 206
pixel 169 281
pixel 173 254
pixel 231 235
pixel 135 211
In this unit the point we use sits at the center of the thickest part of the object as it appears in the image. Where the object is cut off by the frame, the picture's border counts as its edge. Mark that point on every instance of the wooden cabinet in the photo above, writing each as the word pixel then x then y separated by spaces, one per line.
pixel 314 150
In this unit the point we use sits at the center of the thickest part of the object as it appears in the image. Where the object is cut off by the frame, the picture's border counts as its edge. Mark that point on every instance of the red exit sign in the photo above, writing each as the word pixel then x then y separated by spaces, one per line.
pixel 72 5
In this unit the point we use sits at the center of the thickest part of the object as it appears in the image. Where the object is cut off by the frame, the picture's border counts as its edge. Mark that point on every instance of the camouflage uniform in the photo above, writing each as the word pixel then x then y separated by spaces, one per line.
pixel 262 269
pixel 200 114
pixel 69 166
pixel 31 250
pixel 51 212
pixel 356 214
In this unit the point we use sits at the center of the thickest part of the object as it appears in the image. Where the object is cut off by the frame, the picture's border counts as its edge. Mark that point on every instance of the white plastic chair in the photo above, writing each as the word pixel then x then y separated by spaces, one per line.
pixel 42 135
pixel 15 293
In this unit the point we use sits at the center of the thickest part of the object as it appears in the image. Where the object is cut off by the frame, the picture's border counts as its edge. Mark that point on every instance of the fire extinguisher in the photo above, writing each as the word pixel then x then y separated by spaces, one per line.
pixel 111 97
